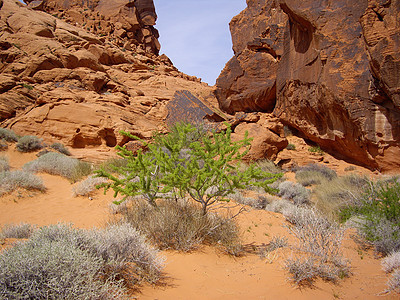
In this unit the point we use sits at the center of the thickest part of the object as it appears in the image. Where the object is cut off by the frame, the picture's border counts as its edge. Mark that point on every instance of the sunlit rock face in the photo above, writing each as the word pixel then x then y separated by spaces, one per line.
pixel 330 69
pixel 130 23
pixel 65 83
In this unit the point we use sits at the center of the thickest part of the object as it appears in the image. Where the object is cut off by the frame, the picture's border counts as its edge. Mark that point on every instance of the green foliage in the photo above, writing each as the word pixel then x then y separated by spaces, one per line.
pixel 379 210
pixel 316 149
pixel 206 167
pixel 8 135
pixel 291 147
pixel 29 143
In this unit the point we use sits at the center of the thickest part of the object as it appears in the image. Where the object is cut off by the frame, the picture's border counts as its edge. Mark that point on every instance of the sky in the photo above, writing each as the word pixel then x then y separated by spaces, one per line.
pixel 195 34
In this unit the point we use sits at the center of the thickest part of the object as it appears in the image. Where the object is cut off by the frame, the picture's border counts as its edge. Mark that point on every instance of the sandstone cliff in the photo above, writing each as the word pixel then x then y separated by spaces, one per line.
pixel 330 69
pixel 70 84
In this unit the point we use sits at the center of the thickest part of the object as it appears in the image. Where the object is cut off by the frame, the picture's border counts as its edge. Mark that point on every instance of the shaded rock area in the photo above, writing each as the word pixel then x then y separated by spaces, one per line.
pixel 329 69
pixel 63 83
pixel 185 107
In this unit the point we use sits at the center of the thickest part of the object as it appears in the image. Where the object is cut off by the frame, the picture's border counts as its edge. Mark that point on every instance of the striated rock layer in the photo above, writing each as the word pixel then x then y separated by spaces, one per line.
pixel 328 68
pixel 63 83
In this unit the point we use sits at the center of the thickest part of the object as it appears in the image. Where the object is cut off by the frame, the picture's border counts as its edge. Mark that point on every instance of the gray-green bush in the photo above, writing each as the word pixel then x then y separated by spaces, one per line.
pixel 60 262
pixel 87 186
pixel 314 174
pixel 60 148
pixel 53 270
pixel 294 192
pixel 17 231
pixel 29 143
pixel 8 135
pixel 59 164
pixel 4 166
pixel 11 180
pixel 319 240
pixel 3 145
pixel 379 209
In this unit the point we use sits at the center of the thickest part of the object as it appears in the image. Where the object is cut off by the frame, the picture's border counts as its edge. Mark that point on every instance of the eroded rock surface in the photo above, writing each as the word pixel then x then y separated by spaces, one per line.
pixel 330 69
pixel 63 83
pixel 129 23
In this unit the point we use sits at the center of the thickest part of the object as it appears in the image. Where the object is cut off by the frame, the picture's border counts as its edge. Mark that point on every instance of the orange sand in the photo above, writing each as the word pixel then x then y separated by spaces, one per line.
pixel 205 273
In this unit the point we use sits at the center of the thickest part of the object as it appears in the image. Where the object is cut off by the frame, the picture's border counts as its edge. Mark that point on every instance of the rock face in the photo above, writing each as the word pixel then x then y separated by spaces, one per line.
pixel 328 68
pixel 129 23
pixel 63 83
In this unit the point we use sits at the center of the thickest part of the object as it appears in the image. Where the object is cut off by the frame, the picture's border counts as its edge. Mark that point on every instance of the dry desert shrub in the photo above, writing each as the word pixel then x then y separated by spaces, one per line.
pixel 4 166
pixel 53 270
pixel 319 242
pixel 29 143
pixel 331 196
pixel 60 148
pixel 182 226
pixel 8 135
pixel 87 186
pixel 60 262
pixel 12 180
pixel 59 164
pixel 17 231
pixel 295 192
pixel 258 201
pixel 394 281
pixel 3 145
pixel 314 174
pixel 391 262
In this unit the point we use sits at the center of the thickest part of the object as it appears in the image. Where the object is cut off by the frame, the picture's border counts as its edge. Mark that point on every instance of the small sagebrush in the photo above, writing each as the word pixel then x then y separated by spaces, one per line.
pixel 60 262
pixel 11 180
pixel 319 240
pixel 53 270
pixel 29 143
pixel 59 164
pixel 60 148
pixel 294 192
pixel 183 226
pixel 4 166
pixel 8 135
pixel 314 174
pixel 17 231
pixel 391 262
pixel 3 145
pixel 394 281
pixel 87 186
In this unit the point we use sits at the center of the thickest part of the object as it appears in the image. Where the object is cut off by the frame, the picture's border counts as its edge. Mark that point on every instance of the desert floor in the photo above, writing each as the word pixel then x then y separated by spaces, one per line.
pixel 206 273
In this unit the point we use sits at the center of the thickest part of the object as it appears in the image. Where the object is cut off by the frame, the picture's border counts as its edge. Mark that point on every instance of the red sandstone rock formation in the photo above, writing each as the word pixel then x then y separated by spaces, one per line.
pixel 128 23
pixel 63 83
pixel 330 69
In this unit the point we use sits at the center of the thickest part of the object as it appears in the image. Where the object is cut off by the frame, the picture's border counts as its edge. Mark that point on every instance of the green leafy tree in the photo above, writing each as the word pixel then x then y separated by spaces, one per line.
pixel 204 166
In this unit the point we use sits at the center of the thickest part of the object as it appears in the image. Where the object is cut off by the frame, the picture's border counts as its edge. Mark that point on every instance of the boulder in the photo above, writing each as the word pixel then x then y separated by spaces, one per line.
pixel 265 144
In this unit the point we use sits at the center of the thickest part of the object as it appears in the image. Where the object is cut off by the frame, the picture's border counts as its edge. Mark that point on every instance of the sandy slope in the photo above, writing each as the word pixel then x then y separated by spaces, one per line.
pixel 206 273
